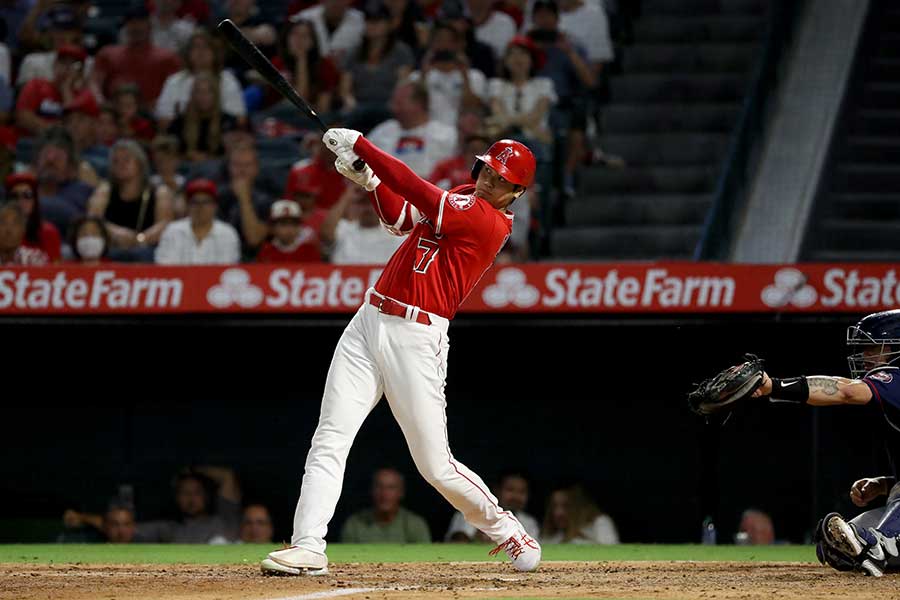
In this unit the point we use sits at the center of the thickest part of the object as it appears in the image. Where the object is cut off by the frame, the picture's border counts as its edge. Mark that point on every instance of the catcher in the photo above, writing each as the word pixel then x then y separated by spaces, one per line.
pixel 868 542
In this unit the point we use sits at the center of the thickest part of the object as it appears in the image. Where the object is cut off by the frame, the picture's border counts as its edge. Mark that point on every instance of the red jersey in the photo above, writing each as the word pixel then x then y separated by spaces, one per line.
pixel 44 99
pixel 314 173
pixel 148 66
pixel 448 249
pixel 304 249
pixel 48 240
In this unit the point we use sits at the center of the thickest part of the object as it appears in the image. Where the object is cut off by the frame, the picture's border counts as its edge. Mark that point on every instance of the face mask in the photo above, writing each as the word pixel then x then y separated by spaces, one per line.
pixel 90 246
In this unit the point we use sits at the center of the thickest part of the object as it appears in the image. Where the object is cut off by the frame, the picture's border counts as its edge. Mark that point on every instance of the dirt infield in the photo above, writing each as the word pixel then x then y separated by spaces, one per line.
pixel 657 580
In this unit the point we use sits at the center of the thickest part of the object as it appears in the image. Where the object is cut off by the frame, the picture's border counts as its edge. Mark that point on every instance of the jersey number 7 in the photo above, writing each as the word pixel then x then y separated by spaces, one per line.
pixel 427 250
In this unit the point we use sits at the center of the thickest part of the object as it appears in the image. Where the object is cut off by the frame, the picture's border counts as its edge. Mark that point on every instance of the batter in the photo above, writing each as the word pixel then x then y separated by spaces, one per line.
pixel 397 343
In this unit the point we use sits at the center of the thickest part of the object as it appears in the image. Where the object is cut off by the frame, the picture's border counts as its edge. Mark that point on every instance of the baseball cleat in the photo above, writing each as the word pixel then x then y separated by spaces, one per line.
pixel 523 550
pixel 844 536
pixel 294 561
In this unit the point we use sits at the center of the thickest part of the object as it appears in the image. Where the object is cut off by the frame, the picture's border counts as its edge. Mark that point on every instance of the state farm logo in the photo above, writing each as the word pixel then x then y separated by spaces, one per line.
pixel 790 287
pixel 511 287
pixel 234 288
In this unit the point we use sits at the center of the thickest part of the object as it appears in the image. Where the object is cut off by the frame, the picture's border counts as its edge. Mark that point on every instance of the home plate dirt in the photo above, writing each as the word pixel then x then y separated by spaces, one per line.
pixel 657 580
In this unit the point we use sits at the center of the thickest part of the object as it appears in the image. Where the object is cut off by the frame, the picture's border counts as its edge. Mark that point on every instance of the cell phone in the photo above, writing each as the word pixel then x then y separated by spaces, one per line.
pixel 445 56
pixel 544 36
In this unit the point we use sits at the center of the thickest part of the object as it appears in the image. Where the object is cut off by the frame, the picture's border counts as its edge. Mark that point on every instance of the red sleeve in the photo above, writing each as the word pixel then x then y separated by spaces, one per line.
pixel 31 96
pixel 51 243
pixel 465 215
pixel 425 196
pixel 399 215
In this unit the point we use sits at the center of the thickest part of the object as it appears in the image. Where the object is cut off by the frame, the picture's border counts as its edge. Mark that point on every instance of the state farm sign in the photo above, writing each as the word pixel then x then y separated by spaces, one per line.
pixel 533 288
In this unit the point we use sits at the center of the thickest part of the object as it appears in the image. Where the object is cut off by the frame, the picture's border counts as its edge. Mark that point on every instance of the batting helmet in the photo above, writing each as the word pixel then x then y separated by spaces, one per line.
pixel 511 159
pixel 881 329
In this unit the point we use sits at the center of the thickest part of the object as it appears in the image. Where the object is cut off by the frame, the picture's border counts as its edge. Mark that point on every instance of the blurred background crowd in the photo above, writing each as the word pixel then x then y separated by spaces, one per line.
pixel 130 132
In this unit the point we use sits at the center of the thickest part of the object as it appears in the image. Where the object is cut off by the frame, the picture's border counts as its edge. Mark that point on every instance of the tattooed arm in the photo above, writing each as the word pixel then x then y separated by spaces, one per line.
pixel 830 391
pixel 826 391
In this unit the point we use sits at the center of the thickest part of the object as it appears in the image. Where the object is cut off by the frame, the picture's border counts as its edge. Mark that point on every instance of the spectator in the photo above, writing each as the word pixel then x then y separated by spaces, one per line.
pixel 12 236
pixel 169 31
pixel 307 196
pixel 245 14
pixel 756 528
pixel 64 28
pixel 134 122
pixel 292 241
pixel 339 28
pixel 411 135
pixel 246 197
pixel 63 196
pixel 354 233
pixel 573 518
pixel 116 526
pixel 314 76
pixel 80 119
pixel 200 238
pixel 16 14
pixel 586 24
pixel 408 23
pixel 202 53
pixel 208 503
pixel 107 126
pixel 457 170
pixel 165 157
pixel 316 173
pixel 387 521
pixel 492 27
pixel 135 212
pixel 202 127
pixel 520 101
pixel 39 234
pixel 89 241
pixel 567 66
pixel 41 101
pixel 372 71
pixel 480 55
pixel 451 83
pixel 256 525
pixel 136 60
pixel 513 496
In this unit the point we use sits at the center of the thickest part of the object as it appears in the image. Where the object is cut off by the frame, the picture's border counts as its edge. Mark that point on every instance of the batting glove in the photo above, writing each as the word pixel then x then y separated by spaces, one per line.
pixel 365 178
pixel 341 141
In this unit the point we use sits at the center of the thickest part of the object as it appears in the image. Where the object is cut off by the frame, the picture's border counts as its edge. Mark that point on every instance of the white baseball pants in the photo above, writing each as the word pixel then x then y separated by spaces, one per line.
pixel 407 362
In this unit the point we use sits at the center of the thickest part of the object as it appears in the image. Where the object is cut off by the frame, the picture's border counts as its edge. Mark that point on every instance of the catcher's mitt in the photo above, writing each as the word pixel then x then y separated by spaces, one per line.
pixel 720 393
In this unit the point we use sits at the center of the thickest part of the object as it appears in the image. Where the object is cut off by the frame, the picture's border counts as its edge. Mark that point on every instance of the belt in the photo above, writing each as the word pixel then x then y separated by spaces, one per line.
pixel 396 309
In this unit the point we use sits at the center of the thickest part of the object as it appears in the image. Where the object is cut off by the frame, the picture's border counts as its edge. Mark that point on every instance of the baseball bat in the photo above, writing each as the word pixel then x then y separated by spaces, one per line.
pixel 256 59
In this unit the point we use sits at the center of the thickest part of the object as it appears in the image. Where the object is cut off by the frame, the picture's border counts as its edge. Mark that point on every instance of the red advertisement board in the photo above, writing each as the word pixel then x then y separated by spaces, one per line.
pixel 657 288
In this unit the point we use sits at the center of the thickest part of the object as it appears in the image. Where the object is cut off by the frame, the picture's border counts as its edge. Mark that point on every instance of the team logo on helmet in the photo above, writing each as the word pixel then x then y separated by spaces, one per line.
pixel 505 155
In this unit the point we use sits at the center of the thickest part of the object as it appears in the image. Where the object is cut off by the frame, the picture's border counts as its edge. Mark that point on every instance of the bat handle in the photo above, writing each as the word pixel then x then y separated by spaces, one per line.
pixel 359 164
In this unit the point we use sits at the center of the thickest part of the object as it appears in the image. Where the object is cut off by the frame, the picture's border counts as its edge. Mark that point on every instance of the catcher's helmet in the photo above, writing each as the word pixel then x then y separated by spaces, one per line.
pixel 511 159
pixel 881 329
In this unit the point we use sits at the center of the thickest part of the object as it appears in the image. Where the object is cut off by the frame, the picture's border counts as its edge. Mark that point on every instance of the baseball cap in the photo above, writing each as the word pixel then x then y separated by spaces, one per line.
pixel 285 209
pixel 201 186
pixel 76 53
pixel 136 12
pixel 25 177
pixel 60 18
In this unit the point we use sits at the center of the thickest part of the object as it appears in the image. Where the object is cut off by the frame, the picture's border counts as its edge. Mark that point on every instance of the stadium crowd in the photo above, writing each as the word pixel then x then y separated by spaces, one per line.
pixel 142 138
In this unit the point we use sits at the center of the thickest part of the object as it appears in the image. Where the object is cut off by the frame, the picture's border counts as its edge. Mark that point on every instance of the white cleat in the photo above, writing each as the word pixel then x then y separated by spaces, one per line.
pixel 523 550
pixel 294 561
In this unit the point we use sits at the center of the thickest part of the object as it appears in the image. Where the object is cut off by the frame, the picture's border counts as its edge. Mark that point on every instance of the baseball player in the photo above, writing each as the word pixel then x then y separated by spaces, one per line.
pixel 870 540
pixel 397 342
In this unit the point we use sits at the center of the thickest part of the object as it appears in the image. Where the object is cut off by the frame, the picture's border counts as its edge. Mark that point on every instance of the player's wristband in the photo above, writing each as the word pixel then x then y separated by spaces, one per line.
pixel 795 389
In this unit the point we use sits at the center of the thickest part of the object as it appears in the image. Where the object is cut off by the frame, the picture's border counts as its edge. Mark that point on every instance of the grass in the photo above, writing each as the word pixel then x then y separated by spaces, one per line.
pixel 376 553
